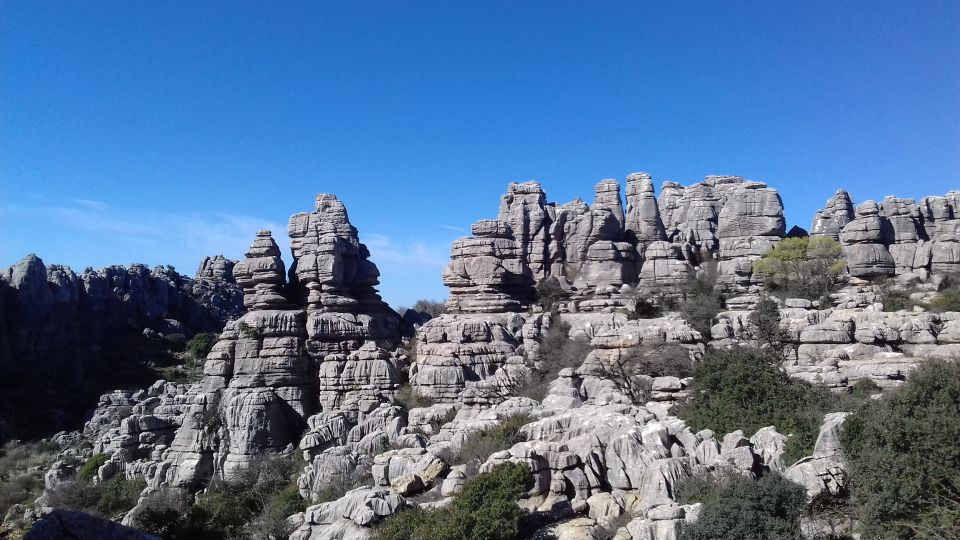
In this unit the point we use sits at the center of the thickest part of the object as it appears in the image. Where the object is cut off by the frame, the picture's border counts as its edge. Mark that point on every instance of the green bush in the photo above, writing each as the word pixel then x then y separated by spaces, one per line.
pixel 747 389
pixel 21 471
pixel 480 444
pixel 946 300
pixel 486 509
pixel 549 293
pixel 737 507
pixel 118 494
pixel 91 466
pixel 701 302
pixel 805 267
pixel 765 322
pixel 904 457
pixel 200 345
pixel 254 504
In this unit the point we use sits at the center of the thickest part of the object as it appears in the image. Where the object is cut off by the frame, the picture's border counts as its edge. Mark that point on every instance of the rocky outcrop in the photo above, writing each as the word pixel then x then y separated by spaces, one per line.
pixel 79 526
pixel 59 326
pixel 600 252
pixel 834 217
pixel 327 346
pixel 895 237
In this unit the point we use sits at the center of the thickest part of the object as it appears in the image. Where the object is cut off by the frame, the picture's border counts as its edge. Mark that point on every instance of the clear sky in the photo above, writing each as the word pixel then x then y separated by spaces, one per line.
pixel 159 132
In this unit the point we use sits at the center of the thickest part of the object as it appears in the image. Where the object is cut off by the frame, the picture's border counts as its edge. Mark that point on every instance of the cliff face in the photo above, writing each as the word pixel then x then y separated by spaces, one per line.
pixel 57 326
pixel 324 342
pixel 599 251
pixel 896 237
pixel 315 363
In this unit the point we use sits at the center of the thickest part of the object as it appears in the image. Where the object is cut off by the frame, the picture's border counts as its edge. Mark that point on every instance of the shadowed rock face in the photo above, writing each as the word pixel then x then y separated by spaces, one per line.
pixel 57 327
pixel 895 237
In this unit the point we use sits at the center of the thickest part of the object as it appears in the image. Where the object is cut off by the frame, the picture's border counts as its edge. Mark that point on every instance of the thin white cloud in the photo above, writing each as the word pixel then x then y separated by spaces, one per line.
pixel 92 204
pixel 384 250
pixel 164 236
pixel 454 228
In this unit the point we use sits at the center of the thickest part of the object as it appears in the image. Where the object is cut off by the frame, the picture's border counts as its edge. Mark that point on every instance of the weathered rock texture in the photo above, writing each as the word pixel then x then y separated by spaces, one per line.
pixel 324 342
pixel 58 325
pixel 600 251
pixel 895 237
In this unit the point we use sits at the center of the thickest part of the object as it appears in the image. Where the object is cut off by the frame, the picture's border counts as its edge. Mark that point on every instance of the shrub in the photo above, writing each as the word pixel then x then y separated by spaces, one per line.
pixel 632 371
pixel 254 504
pixel 549 293
pixel 199 345
pixel 91 466
pixel 913 432
pixel 118 494
pixel 480 444
pixel 807 267
pixel 702 302
pixel 737 507
pixel 21 471
pixel 433 308
pixel 557 351
pixel 410 399
pixel 765 321
pixel 893 298
pixel 946 300
pixel 746 389
pixel 76 495
pixel 486 509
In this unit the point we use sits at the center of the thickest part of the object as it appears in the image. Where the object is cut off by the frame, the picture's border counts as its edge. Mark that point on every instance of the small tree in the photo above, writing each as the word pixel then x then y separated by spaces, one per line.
pixel 550 293
pixel 199 345
pixel 702 302
pixel 557 351
pixel 807 267
pixel 765 322
pixel 632 370
pixel 904 457
pixel 433 308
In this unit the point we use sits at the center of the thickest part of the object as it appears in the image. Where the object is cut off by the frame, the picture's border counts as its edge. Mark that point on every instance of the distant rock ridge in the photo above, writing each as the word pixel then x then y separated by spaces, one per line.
pixel 597 250
pixel 57 323
pixel 896 237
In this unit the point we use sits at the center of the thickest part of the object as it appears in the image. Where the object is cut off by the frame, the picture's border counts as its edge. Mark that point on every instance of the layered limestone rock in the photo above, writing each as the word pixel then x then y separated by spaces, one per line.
pixel 863 244
pixel 327 349
pixel 599 252
pixel 834 217
pixel 487 272
pixel 644 224
pixel 839 346
pixel 895 237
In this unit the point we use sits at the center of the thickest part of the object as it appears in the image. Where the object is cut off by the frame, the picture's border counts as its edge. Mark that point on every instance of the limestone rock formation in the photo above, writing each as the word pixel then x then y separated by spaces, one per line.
pixel 834 217
pixel 58 325
pixel 328 348
pixel 895 237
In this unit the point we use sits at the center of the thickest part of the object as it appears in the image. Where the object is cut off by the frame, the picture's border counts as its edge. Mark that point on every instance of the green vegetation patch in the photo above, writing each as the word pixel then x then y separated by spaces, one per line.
pixel 486 509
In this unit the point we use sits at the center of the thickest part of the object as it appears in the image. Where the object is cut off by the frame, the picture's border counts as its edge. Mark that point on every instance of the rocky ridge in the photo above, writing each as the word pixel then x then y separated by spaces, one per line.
pixel 320 356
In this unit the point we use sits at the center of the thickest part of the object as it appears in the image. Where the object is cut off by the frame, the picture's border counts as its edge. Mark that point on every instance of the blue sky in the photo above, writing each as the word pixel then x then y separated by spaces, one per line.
pixel 159 132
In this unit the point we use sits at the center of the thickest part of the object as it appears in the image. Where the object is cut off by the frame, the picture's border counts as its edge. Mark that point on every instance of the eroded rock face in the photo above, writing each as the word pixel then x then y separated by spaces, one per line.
pixel 57 325
pixel 895 237
pixel 324 359
pixel 600 252
pixel 834 217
